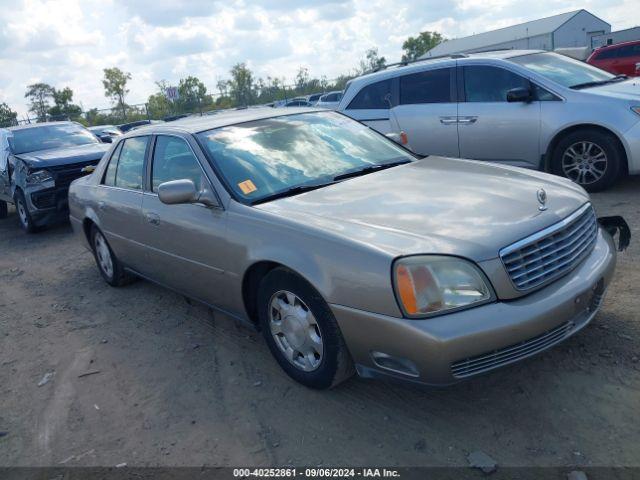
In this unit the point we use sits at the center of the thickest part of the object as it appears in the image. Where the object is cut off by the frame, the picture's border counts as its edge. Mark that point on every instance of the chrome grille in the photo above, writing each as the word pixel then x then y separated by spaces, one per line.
pixel 549 254
pixel 497 358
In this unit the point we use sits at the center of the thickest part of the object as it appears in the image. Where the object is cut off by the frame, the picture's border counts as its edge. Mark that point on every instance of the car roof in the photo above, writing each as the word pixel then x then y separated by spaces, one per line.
pixel 36 125
pixel 223 119
pixel 397 69
pixel 618 45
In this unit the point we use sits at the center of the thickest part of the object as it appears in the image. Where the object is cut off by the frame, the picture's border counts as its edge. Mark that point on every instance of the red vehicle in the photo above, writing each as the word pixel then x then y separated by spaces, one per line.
pixel 621 58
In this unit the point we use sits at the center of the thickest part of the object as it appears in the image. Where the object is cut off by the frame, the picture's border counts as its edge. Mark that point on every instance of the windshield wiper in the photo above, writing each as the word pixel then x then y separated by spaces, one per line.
pixel 290 192
pixel 617 78
pixel 369 169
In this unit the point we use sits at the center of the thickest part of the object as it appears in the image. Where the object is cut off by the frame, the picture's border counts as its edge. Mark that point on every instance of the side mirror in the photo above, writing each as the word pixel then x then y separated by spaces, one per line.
pixel 105 139
pixel 184 191
pixel 519 94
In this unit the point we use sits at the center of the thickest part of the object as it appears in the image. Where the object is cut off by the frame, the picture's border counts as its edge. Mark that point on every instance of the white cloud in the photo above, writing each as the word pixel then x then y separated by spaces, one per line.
pixel 70 42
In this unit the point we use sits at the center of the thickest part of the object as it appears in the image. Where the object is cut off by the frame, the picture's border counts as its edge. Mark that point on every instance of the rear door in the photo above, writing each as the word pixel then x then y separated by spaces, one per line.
pixel 371 105
pixel 119 201
pixel 427 111
pixel 184 242
pixel 489 127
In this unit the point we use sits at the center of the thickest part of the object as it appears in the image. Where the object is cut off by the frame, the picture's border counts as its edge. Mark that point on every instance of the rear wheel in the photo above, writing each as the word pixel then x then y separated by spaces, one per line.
pixel 110 268
pixel 301 331
pixel 24 217
pixel 4 210
pixel 590 158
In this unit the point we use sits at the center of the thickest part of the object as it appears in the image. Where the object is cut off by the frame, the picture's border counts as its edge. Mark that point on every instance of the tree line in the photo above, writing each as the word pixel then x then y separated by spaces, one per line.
pixel 242 88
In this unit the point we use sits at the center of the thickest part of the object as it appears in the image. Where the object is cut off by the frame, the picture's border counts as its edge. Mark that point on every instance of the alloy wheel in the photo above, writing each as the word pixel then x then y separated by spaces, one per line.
pixel 295 330
pixel 584 162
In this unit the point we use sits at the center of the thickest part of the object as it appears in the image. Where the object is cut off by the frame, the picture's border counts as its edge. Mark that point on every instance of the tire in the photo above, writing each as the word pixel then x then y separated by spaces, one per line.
pixel 310 319
pixel 24 217
pixel 4 210
pixel 590 158
pixel 115 275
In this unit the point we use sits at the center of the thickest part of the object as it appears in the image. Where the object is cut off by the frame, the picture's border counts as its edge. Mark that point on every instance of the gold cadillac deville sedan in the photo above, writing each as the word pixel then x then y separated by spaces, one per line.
pixel 348 252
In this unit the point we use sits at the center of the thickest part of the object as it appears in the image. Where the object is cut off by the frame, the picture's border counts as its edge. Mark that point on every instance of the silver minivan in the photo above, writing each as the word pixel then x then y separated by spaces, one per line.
pixel 531 109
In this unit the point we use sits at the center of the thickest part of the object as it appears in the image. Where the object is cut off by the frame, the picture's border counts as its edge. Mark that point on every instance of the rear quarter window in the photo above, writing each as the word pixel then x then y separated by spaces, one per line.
pixel 374 96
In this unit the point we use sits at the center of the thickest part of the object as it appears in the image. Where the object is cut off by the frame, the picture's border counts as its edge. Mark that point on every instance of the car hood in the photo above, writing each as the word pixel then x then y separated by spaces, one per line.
pixel 626 90
pixel 436 205
pixel 65 156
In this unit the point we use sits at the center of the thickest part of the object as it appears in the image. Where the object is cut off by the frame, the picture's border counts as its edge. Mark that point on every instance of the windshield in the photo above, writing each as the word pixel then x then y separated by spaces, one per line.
pixel 563 70
pixel 262 158
pixel 45 137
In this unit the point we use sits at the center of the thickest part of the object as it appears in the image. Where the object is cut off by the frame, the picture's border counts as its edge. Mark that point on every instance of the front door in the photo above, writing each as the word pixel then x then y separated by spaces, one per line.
pixel 183 242
pixel 489 127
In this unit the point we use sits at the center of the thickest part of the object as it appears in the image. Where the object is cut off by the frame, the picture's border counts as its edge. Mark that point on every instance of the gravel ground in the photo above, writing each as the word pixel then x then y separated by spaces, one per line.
pixel 142 376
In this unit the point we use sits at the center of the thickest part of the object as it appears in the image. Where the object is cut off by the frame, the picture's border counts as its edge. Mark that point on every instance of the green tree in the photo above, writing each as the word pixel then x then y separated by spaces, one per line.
pixel 371 62
pixel 193 94
pixel 39 95
pixel 158 105
pixel 64 107
pixel 115 87
pixel 415 47
pixel 241 85
pixel 7 116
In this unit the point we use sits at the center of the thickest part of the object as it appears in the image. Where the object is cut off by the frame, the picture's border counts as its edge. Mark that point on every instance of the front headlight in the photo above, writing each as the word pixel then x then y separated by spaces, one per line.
pixel 39 176
pixel 429 284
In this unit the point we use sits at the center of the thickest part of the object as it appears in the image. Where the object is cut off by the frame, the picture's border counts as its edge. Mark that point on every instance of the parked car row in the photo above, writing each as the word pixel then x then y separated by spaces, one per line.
pixel 329 100
pixel 621 58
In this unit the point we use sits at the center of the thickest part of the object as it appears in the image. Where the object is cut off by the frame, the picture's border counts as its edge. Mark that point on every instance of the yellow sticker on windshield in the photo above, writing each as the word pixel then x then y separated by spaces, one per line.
pixel 247 187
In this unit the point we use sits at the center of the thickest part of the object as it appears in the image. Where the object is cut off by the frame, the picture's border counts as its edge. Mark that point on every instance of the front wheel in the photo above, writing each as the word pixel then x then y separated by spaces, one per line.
pixel 24 217
pixel 301 331
pixel 590 158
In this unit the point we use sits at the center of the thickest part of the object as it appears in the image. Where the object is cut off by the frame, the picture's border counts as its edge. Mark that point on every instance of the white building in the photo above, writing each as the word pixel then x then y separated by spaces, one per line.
pixel 628 35
pixel 571 29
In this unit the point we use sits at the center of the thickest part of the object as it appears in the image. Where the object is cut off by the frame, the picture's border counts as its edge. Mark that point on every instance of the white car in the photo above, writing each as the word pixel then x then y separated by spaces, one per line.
pixel 330 100
pixel 527 108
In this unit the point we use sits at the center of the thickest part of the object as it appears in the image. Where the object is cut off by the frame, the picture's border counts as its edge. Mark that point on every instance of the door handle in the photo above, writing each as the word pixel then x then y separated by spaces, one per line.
pixel 467 120
pixel 153 218
pixel 448 120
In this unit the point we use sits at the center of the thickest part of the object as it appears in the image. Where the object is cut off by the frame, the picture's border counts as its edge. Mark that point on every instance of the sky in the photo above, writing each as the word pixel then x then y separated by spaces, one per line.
pixel 69 42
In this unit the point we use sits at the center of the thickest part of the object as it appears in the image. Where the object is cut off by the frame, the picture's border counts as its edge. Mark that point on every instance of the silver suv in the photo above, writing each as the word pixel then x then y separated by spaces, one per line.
pixel 530 109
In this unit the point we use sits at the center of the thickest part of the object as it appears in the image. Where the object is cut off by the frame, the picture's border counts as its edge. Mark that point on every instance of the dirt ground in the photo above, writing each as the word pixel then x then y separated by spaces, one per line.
pixel 169 383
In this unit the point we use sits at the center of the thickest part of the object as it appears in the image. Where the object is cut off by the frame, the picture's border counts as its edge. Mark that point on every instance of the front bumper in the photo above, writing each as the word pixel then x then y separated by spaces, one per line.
pixel 631 138
pixel 48 206
pixel 447 349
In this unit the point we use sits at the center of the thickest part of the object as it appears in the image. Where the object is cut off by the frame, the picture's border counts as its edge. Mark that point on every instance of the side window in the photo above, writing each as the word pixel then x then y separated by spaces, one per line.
pixel 174 160
pixel 374 96
pixel 607 54
pixel 629 51
pixel 432 86
pixel 110 174
pixel 490 84
pixel 131 163
pixel 544 95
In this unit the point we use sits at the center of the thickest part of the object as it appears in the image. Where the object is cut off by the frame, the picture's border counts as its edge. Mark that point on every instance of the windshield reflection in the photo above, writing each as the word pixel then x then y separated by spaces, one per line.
pixel 279 153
